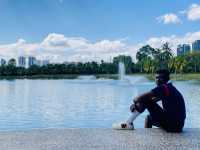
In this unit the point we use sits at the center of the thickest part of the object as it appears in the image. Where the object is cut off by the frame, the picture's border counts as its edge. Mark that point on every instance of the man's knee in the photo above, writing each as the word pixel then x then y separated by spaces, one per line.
pixel 138 106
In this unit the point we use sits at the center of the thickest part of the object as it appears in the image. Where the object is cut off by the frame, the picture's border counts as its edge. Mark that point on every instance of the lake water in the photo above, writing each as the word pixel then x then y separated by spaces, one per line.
pixel 81 103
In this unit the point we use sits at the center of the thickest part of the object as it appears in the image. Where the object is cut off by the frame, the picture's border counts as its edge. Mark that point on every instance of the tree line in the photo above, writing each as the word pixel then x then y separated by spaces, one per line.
pixel 149 59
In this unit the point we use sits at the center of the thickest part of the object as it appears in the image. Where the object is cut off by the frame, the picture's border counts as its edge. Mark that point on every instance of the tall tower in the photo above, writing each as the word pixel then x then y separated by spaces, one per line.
pixel 22 61
pixel 196 46
pixel 183 49
pixel 31 61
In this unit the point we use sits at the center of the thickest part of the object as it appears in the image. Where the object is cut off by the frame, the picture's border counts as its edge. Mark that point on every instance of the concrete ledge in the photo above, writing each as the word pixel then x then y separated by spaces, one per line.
pixel 101 139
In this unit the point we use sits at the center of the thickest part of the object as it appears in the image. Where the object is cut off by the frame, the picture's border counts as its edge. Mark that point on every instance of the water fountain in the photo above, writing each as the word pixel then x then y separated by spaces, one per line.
pixel 121 70
pixel 125 79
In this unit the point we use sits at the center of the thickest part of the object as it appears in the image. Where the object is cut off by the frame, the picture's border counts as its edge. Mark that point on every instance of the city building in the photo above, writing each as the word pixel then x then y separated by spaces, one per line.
pixel 45 62
pixel 196 46
pixel 22 61
pixel 27 62
pixel 39 63
pixel 31 61
pixel 42 62
pixel 3 62
pixel 183 49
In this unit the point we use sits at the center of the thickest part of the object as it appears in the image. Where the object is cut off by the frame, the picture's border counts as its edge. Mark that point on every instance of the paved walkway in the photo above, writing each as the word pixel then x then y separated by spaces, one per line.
pixel 100 139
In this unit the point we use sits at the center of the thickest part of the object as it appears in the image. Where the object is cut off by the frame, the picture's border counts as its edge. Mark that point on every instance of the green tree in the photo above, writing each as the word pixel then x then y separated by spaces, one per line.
pixel 145 56
pixel 127 60
pixel 12 62
pixel 166 55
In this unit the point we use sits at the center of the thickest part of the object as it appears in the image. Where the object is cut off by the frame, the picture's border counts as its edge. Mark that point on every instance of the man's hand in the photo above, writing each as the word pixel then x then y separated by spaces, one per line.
pixel 132 107
pixel 135 99
pixel 155 99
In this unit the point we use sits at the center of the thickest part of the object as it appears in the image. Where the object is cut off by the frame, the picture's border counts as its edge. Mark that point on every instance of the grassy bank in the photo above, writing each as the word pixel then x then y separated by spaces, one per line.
pixel 39 77
pixel 107 76
pixel 179 77
pixel 63 76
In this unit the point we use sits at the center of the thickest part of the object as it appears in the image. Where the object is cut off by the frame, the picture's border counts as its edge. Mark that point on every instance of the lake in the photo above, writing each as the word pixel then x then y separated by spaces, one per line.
pixel 85 102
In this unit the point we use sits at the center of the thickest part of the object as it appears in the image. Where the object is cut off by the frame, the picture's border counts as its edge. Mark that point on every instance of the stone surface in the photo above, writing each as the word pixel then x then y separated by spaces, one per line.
pixel 100 139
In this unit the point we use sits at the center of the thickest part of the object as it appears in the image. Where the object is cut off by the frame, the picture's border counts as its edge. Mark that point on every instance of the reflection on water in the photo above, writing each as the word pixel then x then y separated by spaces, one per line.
pixel 80 103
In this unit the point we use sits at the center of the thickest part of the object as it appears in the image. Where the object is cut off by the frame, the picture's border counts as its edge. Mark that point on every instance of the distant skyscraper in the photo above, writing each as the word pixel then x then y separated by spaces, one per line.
pixel 183 49
pixel 39 63
pixel 22 61
pixel 187 48
pixel 31 61
pixel 196 46
pixel 180 50
pixel 3 62
pixel 45 62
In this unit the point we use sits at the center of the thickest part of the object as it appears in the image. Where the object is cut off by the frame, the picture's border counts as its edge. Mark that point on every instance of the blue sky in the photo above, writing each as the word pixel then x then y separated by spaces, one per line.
pixel 127 23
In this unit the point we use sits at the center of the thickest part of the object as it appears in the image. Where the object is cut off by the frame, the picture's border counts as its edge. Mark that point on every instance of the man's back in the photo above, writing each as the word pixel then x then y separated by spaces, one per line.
pixel 174 104
pixel 172 101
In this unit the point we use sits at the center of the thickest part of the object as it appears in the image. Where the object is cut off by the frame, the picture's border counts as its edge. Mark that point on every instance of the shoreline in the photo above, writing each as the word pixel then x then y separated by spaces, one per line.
pixel 179 77
pixel 175 77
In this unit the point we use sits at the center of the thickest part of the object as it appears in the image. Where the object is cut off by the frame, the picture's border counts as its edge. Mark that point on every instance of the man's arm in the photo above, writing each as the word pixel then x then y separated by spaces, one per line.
pixel 145 97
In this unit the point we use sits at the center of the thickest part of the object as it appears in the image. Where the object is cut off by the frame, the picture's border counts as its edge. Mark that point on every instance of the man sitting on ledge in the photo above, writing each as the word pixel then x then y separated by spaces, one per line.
pixel 170 117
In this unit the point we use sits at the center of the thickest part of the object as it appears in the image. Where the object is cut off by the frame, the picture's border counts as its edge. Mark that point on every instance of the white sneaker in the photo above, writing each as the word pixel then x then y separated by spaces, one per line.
pixel 123 126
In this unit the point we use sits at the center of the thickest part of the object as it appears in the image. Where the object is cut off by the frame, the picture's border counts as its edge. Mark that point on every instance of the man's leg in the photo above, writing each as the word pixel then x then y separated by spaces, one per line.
pixel 133 117
pixel 156 117
pixel 148 122
pixel 129 123
pixel 136 109
pixel 159 118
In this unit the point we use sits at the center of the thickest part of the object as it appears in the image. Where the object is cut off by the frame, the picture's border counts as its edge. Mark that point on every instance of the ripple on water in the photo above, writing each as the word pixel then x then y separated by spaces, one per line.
pixel 80 103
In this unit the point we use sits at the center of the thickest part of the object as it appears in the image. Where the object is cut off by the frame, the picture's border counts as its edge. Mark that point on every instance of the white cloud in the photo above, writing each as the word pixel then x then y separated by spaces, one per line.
pixel 59 48
pixel 174 40
pixel 169 18
pixel 21 41
pixel 193 12
pixel 55 40
pixel 157 42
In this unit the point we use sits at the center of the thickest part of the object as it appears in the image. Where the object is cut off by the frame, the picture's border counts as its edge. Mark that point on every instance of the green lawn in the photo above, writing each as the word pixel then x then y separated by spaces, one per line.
pixel 40 77
pixel 179 77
